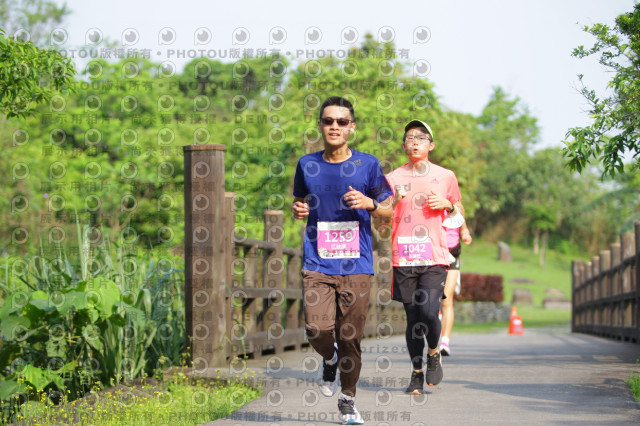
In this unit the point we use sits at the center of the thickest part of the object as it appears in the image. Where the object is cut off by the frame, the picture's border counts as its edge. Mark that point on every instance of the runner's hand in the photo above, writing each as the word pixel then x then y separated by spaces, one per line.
pixel 399 195
pixel 438 202
pixel 357 200
pixel 466 236
pixel 300 210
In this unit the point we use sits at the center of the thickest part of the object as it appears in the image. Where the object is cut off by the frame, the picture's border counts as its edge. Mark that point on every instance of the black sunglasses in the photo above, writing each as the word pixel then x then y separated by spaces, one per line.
pixel 328 121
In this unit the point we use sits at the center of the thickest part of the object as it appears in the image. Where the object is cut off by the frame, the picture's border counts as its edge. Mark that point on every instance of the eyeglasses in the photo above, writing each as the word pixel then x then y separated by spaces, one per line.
pixel 416 140
pixel 328 121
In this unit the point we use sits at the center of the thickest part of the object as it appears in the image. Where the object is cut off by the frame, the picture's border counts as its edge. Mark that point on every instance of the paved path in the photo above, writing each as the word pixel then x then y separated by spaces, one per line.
pixel 541 377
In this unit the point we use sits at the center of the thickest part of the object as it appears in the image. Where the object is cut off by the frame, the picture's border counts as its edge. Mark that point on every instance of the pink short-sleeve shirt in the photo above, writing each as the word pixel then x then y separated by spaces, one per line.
pixel 418 237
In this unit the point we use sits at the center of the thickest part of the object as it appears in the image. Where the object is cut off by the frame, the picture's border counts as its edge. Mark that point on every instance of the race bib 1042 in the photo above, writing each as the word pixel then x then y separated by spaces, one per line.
pixel 339 240
pixel 414 251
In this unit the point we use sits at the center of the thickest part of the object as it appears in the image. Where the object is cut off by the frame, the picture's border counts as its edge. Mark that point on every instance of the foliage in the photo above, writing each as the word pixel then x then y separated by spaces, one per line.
pixel 615 129
pixel 480 288
pixel 113 151
pixel 110 316
pixel 506 132
pixel 456 149
pixel 623 201
pixel 30 75
pixel 179 400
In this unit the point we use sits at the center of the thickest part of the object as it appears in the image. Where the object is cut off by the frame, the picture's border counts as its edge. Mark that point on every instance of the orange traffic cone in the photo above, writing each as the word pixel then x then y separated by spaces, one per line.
pixel 515 322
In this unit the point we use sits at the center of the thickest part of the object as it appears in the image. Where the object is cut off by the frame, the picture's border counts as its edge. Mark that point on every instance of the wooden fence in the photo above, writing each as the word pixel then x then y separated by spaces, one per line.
pixel 606 293
pixel 243 295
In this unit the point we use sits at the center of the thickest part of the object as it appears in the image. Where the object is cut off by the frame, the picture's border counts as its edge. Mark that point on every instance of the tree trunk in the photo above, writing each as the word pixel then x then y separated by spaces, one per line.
pixel 536 240
pixel 543 246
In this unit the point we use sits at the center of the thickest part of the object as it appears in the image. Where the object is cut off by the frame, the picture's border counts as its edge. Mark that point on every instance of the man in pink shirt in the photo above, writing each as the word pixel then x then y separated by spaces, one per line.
pixel 423 192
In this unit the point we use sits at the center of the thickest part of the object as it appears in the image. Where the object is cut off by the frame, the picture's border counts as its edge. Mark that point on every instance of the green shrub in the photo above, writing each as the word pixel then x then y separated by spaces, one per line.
pixel 112 315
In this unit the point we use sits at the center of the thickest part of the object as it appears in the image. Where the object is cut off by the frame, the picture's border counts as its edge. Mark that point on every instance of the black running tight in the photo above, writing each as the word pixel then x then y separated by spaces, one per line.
pixel 422 320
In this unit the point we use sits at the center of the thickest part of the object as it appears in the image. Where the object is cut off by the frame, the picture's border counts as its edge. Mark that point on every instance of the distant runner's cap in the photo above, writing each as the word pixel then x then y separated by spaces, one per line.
pixel 418 123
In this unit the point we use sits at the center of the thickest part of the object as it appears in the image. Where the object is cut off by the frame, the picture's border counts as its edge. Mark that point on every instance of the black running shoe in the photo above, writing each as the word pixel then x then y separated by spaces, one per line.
pixel 416 383
pixel 434 369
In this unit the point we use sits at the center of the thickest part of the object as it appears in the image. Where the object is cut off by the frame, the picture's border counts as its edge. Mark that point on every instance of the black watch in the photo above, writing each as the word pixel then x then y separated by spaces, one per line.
pixel 453 208
pixel 375 206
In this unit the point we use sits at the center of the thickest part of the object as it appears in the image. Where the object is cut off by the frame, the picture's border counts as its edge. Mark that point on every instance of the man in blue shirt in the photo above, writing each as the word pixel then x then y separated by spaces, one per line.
pixel 338 190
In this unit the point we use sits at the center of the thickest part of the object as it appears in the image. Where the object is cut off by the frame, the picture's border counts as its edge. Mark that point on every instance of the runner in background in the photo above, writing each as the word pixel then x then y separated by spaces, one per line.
pixel 452 283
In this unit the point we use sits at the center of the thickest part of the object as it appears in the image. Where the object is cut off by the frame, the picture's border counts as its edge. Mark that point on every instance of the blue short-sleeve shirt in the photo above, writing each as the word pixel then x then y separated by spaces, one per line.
pixel 330 220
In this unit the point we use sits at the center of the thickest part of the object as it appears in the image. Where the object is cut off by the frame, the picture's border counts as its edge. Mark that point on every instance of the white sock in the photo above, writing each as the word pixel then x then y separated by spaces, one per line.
pixel 444 339
pixel 333 360
pixel 347 397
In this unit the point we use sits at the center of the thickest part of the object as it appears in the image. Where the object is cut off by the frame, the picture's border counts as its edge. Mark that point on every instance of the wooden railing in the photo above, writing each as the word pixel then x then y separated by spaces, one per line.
pixel 606 293
pixel 243 296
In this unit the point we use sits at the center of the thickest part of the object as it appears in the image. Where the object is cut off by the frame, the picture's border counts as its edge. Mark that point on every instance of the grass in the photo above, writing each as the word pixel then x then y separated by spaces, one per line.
pixel 182 401
pixel 482 257
pixel 532 317
pixel 634 384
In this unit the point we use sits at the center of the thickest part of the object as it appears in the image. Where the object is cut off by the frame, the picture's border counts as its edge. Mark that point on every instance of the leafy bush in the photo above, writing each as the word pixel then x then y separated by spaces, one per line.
pixel 480 288
pixel 109 317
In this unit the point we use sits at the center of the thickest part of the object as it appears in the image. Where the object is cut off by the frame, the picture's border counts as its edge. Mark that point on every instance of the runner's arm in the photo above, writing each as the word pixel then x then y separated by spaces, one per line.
pixel 465 235
pixel 384 210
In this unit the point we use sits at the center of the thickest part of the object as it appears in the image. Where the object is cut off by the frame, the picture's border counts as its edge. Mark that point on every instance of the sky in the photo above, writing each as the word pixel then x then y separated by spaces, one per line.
pixel 471 46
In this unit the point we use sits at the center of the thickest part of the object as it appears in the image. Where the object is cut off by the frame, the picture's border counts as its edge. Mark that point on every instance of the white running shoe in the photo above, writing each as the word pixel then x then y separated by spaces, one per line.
pixel 328 377
pixel 445 350
pixel 348 412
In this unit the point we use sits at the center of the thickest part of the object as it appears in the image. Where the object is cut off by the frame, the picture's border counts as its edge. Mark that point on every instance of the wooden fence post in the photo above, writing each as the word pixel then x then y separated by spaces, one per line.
pixel 589 292
pixel 605 287
pixel 595 271
pixel 294 313
pixel 274 268
pixel 229 246
pixel 204 254
pixel 627 250
pixel 616 286
pixel 637 283
pixel 574 298
pixel 595 285
pixel 606 291
pixel 584 296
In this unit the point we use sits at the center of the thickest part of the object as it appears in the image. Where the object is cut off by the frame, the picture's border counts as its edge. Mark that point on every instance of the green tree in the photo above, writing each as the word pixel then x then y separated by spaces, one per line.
pixel 615 129
pixel 547 182
pixel 456 150
pixel 30 75
pixel 112 152
pixel 507 131
pixel 622 199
